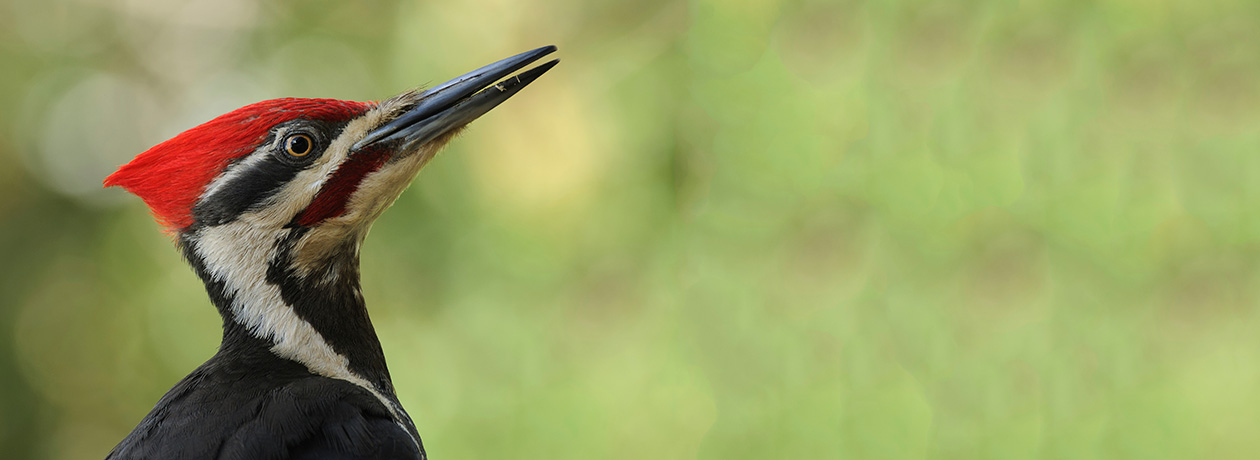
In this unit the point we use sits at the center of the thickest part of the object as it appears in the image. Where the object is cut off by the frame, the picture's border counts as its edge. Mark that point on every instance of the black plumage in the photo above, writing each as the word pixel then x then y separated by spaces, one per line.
pixel 247 403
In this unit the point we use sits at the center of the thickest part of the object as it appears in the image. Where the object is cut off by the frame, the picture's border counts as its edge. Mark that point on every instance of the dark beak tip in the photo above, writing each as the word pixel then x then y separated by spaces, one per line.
pixel 465 93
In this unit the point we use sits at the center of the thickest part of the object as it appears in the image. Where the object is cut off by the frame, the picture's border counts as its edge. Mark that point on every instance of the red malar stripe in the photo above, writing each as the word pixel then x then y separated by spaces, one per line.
pixel 331 200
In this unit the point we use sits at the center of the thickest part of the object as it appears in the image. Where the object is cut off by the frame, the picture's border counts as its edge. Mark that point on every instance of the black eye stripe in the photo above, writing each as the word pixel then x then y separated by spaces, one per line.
pixel 246 188
pixel 252 180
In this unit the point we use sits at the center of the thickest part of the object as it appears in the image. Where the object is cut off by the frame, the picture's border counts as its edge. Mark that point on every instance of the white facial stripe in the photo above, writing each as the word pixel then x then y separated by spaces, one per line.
pixel 375 193
pixel 299 191
pixel 238 254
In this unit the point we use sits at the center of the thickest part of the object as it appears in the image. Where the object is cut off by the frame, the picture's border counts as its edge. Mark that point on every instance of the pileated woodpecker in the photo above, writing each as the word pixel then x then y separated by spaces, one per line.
pixel 269 204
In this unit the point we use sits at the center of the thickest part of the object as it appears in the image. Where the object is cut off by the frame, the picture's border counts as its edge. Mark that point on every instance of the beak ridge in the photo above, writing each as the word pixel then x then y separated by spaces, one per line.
pixel 461 100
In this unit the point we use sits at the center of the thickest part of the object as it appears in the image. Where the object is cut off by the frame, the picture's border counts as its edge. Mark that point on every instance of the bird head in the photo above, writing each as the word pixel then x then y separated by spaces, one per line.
pixel 269 204
pixel 314 173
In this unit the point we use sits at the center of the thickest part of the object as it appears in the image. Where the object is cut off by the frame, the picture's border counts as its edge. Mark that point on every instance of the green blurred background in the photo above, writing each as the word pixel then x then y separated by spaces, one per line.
pixel 720 229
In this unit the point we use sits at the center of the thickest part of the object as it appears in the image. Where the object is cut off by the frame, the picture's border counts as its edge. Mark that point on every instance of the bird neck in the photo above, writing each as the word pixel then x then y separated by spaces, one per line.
pixel 317 319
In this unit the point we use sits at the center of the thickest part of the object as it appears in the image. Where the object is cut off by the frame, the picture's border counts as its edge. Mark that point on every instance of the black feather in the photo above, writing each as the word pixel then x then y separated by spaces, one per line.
pixel 247 403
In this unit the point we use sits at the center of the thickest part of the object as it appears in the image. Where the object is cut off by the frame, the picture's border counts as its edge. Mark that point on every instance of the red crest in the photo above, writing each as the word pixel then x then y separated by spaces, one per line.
pixel 171 176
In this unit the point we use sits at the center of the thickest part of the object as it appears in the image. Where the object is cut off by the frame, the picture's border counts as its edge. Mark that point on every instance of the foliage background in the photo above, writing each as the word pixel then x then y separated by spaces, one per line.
pixel 719 229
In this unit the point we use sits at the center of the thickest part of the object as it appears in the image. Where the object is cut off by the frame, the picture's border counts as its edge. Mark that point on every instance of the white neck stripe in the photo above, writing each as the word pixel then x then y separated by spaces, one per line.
pixel 237 254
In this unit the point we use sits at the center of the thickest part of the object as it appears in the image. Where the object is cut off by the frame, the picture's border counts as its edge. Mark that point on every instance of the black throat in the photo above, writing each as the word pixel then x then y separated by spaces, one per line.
pixel 329 299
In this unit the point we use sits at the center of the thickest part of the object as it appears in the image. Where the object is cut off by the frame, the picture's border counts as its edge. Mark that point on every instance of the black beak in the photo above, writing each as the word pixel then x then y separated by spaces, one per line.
pixel 453 104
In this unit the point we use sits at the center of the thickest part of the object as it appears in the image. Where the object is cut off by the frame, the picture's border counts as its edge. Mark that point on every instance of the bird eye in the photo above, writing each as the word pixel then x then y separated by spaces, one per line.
pixel 298 145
